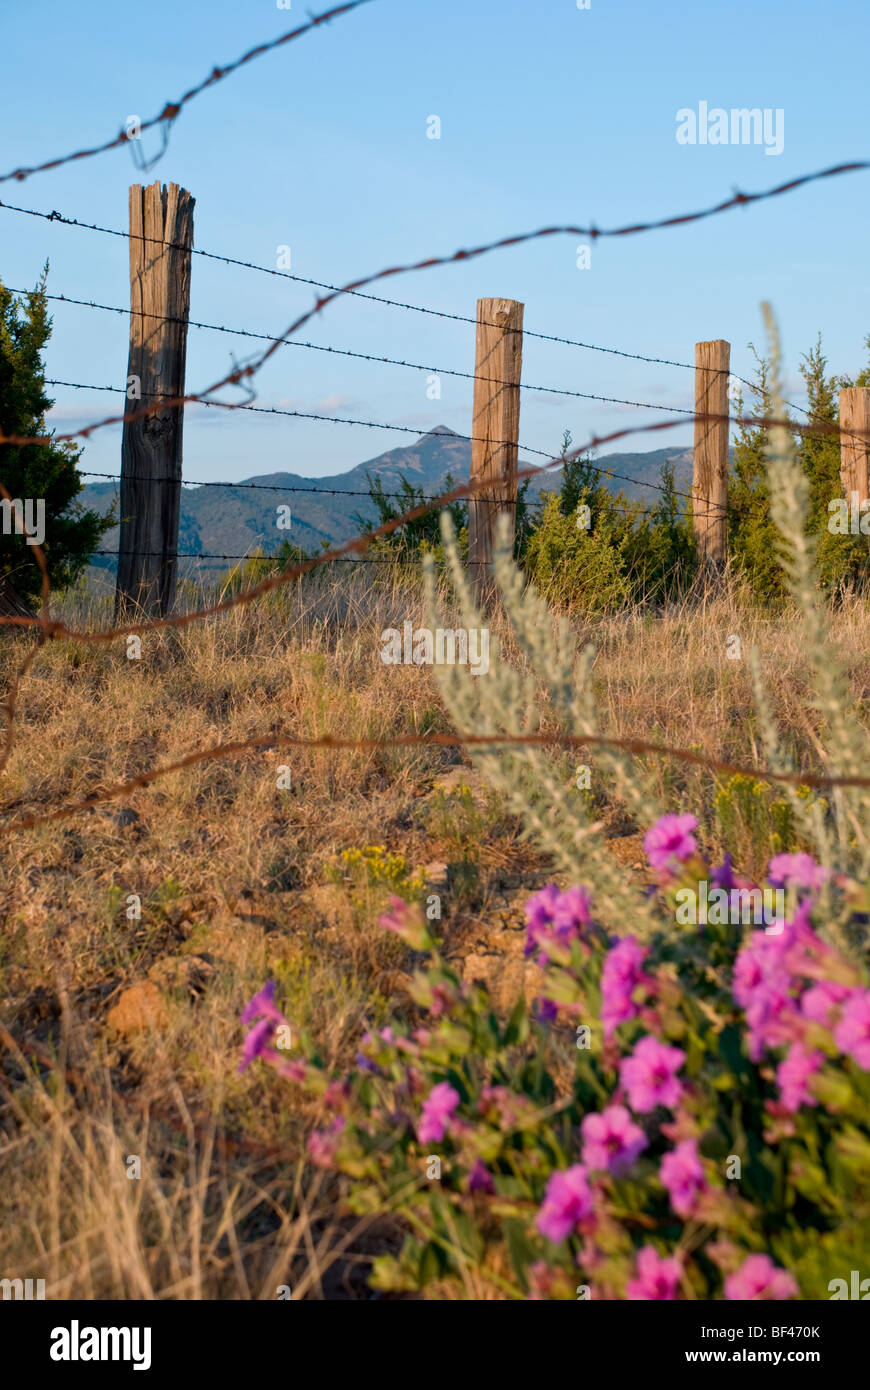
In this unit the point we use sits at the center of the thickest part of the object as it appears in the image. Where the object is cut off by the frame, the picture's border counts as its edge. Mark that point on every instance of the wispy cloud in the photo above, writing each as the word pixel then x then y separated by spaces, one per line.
pixel 330 403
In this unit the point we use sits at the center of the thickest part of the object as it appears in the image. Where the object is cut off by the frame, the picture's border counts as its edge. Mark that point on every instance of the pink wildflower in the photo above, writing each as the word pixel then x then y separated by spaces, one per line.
pixel 792 1075
pixel 567 1201
pixel 820 1002
pixel 852 1033
pixel 657 1277
pixel 670 838
pixel 620 976
pixel 759 1278
pixel 612 1140
pixel 649 1075
pixel 798 870
pixel 438 1107
pixel 682 1173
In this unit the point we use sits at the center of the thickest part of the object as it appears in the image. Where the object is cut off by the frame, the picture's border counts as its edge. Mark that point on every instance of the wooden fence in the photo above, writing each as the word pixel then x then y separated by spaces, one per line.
pixel 161 238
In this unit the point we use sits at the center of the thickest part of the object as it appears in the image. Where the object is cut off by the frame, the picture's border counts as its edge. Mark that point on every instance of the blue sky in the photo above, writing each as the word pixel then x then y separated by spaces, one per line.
pixel 548 114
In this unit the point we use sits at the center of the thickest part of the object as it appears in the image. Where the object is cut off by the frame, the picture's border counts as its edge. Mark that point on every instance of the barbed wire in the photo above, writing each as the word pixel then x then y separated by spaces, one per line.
pixel 263 559
pixel 710 506
pixel 369 424
pixel 171 110
pixel 242 374
pixel 362 356
pixel 329 742
pixel 55 216
pixel 55 628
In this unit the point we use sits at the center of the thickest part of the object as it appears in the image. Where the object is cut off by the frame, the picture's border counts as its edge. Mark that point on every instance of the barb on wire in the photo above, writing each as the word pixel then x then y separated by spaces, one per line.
pixel 172 109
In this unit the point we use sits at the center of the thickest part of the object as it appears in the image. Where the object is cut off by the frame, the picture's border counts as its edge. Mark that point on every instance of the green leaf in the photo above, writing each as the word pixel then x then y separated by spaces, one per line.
pixel 430 1267
pixel 521 1249
pixel 517 1029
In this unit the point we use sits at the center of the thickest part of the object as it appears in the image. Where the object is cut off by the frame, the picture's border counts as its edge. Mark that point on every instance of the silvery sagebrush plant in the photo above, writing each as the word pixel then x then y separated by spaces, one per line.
pixel 685 1111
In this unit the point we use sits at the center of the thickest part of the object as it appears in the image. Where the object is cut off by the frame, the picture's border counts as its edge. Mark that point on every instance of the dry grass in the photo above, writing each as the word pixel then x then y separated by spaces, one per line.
pixel 239 881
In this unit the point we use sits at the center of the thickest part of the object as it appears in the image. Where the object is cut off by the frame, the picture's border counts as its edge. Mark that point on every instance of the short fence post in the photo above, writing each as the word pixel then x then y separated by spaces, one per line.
pixel 710 466
pixel 855 448
pixel 495 428
pixel 151 446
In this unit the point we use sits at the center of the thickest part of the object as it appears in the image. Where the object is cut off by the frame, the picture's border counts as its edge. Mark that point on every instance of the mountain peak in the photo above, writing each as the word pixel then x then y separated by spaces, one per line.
pixel 442 429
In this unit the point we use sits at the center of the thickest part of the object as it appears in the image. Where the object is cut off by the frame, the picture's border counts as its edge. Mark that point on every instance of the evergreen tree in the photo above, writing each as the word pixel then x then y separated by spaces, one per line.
pixel 39 472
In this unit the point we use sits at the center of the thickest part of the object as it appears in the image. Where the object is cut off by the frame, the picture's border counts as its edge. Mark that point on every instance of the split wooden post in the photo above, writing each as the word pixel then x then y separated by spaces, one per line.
pixel 495 428
pixel 855 448
pixel 710 464
pixel 151 446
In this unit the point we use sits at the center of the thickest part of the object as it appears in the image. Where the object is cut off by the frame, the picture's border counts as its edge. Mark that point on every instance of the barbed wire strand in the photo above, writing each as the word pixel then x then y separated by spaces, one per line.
pixel 241 374
pixel 358 544
pixel 361 356
pixel 368 424
pixel 329 742
pixel 171 110
pixel 55 216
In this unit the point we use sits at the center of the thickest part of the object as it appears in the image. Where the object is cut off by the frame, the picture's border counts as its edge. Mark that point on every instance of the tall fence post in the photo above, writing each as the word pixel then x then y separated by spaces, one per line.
pixel 855 451
pixel 710 464
pixel 495 428
pixel 151 446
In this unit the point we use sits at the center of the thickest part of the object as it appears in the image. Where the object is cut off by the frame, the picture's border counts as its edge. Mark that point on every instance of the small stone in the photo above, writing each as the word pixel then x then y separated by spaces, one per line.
pixel 123 817
pixel 141 1006
pixel 190 973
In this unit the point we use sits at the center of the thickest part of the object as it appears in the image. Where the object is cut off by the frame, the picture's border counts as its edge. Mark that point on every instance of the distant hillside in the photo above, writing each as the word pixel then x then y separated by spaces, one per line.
pixel 236 520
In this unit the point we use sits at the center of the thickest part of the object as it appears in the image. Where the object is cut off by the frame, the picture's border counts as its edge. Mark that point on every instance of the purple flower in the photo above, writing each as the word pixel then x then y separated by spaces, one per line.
pixel 407 921
pixel 819 1002
pixel 552 916
pixel 762 986
pixel 263 1005
pixel 670 838
pixel 480 1178
pixel 852 1033
pixel 294 1070
pixel 799 870
pixel 682 1173
pixel 657 1278
pixel 620 977
pixel 256 1042
pixel 611 1140
pixel 759 1278
pixel 323 1143
pixel 792 1075
pixel 722 877
pixel 567 1201
pixel 573 909
pixel 546 1010
pixel 649 1075
pixel 438 1107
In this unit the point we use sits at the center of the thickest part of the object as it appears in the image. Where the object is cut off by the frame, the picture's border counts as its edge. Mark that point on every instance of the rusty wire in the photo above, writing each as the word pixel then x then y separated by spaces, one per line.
pixel 50 628
pixel 173 108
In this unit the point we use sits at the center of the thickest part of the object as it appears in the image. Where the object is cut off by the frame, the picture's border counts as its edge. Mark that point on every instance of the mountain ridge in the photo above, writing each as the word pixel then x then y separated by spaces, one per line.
pixel 236 518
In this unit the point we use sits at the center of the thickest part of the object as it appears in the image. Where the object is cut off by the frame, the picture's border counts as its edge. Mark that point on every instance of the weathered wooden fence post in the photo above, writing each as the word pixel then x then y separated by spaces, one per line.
pixel 151 446
pixel 855 449
pixel 495 428
pixel 710 465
